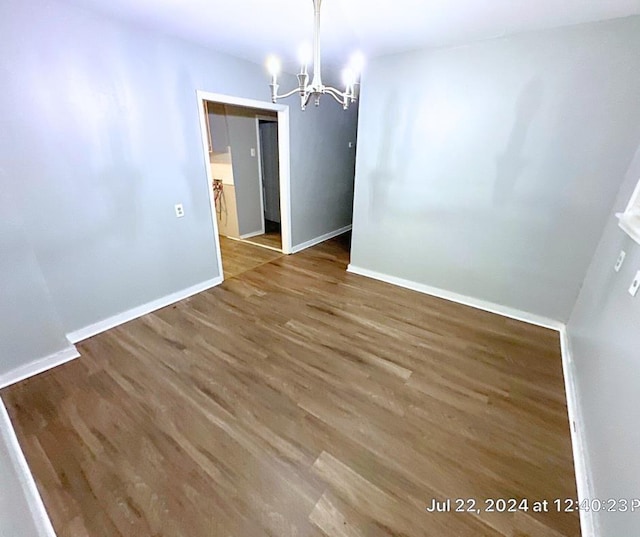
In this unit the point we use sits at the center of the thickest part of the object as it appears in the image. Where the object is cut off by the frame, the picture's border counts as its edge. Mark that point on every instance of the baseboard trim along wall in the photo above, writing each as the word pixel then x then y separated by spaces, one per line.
pixel 252 234
pixel 480 304
pixel 38 366
pixel 29 488
pixel 318 240
pixel 121 318
pixel 249 241
pixel 576 423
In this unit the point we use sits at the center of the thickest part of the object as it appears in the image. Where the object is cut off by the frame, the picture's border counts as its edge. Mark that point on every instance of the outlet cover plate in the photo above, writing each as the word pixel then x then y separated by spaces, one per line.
pixel 620 260
pixel 635 284
pixel 179 210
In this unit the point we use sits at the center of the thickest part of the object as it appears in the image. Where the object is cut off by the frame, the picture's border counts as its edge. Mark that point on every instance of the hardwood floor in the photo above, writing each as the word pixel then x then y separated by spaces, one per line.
pixel 239 256
pixel 299 400
pixel 271 239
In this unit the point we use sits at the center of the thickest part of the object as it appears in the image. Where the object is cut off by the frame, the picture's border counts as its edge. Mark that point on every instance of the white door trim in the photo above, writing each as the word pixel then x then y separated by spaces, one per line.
pixel 283 160
pixel 266 118
pixel 19 464
pixel 259 155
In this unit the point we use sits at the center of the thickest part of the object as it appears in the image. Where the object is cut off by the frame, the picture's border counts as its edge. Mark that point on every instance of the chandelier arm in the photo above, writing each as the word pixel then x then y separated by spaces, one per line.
pixel 316 88
pixel 288 94
pixel 336 94
pixel 304 99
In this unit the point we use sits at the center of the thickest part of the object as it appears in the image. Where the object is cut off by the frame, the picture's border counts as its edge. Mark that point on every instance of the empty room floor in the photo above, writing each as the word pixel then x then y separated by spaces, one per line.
pixel 271 237
pixel 240 256
pixel 299 400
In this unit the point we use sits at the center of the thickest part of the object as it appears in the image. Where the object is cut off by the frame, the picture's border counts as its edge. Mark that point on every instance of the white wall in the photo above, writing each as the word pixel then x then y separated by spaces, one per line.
pixel 489 170
pixel 604 332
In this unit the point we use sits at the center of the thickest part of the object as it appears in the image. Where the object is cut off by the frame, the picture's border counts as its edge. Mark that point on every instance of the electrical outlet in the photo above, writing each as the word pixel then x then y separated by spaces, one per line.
pixel 179 210
pixel 620 260
pixel 253 151
pixel 350 145
pixel 635 284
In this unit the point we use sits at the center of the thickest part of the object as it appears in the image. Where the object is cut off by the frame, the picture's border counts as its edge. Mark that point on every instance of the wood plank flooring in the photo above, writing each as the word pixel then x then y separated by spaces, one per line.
pixel 271 239
pixel 240 256
pixel 297 400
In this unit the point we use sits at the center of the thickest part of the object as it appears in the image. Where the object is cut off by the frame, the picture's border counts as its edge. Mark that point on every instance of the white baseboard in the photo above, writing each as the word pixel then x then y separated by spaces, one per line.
pixel 28 484
pixel 248 241
pixel 139 311
pixel 38 366
pixel 318 240
pixel 252 234
pixel 505 311
pixel 576 424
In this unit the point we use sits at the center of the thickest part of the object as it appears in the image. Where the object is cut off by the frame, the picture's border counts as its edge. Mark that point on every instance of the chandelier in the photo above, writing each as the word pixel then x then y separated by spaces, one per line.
pixel 315 89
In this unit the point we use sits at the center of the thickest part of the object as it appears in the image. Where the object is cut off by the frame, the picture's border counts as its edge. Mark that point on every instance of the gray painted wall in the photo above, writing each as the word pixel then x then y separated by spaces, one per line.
pixel 218 128
pixel 101 137
pixel 29 325
pixel 322 168
pixel 492 173
pixel 243 137
pixel 605 341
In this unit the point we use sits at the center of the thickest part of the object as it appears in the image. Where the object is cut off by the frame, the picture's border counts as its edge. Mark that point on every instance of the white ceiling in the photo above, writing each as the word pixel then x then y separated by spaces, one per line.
pixel 251 29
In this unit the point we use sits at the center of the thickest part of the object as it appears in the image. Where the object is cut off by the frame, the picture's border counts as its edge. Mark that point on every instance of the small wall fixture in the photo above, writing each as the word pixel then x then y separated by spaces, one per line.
pixel 629 220
pixel 315 89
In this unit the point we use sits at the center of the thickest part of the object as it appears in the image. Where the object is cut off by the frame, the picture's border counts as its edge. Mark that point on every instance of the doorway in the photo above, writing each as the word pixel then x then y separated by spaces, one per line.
pixel 246 148
pixel 267 132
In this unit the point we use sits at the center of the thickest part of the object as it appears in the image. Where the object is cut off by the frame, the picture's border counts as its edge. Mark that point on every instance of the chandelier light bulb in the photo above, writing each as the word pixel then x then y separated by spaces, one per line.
pixel 273 66
pixel 314 89
pixel 348 77
pixel 357 62
pixel 304 54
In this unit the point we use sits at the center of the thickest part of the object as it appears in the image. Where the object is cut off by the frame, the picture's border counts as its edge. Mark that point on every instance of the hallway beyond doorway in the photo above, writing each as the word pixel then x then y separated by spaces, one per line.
pixel 271 238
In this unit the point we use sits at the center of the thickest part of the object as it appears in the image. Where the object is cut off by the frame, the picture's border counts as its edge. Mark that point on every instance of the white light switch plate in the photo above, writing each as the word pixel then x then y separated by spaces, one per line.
pixel 620 260
pixel 179 210
pixel 253 151
pixel 635 284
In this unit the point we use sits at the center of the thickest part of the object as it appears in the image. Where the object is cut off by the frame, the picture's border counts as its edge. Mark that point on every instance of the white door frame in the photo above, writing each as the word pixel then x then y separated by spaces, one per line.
pixel 283 160
pixel 259 155
pixel 260 118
